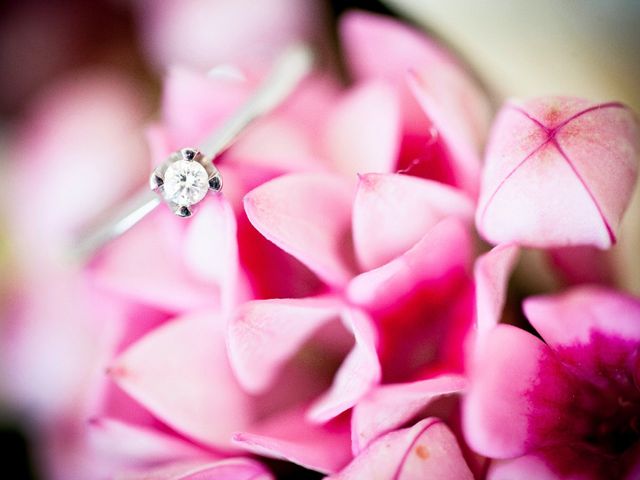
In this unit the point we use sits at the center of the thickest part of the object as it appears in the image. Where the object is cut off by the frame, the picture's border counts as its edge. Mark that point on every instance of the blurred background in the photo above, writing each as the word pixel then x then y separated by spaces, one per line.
pixel 517 48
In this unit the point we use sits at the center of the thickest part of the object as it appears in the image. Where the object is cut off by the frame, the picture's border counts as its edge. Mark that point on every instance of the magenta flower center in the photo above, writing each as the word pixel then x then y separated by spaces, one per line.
pixel 586 409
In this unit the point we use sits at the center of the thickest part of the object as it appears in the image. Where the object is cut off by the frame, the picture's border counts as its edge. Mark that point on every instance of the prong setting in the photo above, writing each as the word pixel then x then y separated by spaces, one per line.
pixel 184 179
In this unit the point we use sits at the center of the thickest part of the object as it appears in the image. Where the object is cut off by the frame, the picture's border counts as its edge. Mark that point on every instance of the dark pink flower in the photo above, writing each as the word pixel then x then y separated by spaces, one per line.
pixel 567 408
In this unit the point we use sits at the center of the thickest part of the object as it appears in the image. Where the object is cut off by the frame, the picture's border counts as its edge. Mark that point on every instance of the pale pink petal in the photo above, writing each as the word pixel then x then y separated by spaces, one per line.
pixel 575 316
pixel 194 104
pixel 359 372
pixel 392 212
pixel 85 126
pixel 180 373
pixel 496 408
pixel 390 406
pixel 363 131
pixel 228 469
pixel 277 142
pixel 542 185
pixel 211 249
pixel 527 466
pixel 144 265
pixel 264 334
pixel 126 443
pixel 491 272
pixel 426 450
pixel 202 33
pixel 445 248
pixel 290 437
pixel 308 216
pixel 55 338
pixel 378 47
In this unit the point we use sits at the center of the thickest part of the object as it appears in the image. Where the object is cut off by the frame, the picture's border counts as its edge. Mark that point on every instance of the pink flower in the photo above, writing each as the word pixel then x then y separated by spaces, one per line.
pixel 445 115
pixel 567 408
pixel 559 172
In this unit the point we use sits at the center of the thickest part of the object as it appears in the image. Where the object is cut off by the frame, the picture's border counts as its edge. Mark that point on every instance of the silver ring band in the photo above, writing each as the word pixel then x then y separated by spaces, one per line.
pixel 290 68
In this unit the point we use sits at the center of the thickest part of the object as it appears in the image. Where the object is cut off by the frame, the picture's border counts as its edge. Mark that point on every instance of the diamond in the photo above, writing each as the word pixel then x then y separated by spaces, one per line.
pixel 185 182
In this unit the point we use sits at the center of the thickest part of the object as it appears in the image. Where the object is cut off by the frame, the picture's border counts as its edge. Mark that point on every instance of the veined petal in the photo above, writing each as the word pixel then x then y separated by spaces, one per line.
pixel 180 373
pixel 308 216
pixel 541 186
pixel 389 406
pixel 392 212
pixel 363 132
pixel 264 334
pixel 426 450
pixel 491 272
pixel 324 448
pixel 359 372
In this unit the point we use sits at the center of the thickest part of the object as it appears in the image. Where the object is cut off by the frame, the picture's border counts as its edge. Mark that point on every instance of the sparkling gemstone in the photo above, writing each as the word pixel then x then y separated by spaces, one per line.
pixel 185 182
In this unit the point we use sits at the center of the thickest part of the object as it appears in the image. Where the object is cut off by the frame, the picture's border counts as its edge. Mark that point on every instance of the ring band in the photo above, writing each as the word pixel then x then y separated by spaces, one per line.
pixel 197 164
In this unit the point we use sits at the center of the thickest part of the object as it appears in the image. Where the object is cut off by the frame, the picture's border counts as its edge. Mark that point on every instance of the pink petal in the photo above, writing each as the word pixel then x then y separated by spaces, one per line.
pixel 573 317
pixel 541 185
pixel 496 407
pixel 460 114
pixel 426 450
pixel 491 272
pixel 308 216
pixel 289 437
pixel 368 38
pixel 144 265
pixel 265 334
pixel 211 249
pixel 228 469
pixel 444 248
pixel 132 444
pixel 359 372
pixel 270 271
pixel 390 406
pixel 392 212
pixel 527 466
pixel 180 373
pixel 583 264
pixel 363 132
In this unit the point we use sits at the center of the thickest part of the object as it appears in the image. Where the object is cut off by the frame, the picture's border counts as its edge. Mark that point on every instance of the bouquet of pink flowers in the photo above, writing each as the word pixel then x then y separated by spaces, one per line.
pixel 335 309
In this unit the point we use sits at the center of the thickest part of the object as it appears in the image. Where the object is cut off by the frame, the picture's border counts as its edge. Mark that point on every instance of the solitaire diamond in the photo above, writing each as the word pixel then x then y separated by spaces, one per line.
pixel 185 182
